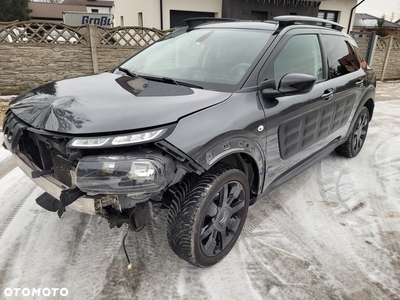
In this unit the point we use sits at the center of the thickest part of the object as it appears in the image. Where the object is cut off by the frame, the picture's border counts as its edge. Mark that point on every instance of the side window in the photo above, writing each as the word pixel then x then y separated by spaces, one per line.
pixel 341 57
pixel 301 54
pixel 359 56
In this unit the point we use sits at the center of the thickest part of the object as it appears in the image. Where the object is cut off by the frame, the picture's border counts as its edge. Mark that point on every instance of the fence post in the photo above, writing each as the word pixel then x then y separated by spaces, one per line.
pixel 93 46
pixel 387 58
pixel 374 41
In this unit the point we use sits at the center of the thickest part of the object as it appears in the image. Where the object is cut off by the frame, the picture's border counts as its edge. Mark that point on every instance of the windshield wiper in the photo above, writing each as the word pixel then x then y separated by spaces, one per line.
pixel 189 85
pixel 170 80
pixel 162 79
pixel 167 79
pixel 129 73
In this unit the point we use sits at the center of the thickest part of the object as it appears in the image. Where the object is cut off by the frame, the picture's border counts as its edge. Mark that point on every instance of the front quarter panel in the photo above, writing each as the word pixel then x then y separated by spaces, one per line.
pixel 234 126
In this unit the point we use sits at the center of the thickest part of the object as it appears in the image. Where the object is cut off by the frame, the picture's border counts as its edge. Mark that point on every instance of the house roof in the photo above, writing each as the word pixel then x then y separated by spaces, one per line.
pixel 369 21
pixel 99 3
pixel 51 11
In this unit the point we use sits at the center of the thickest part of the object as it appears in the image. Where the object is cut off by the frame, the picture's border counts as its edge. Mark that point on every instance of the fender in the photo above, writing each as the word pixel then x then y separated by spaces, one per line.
pixel 369 94
pixel 236 125
pixel 232 143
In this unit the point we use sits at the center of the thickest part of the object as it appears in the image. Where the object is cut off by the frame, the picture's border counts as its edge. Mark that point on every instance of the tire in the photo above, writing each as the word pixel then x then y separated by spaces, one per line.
pixel 357 137
pixel 179 190
pixel 204 226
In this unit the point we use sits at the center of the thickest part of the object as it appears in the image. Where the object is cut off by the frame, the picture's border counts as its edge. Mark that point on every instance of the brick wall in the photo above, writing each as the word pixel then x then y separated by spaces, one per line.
pixel 24 67
pixel 109 57
pixel 30 54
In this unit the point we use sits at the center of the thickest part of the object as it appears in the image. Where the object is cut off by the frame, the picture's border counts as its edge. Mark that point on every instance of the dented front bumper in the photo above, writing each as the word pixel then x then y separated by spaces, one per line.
pixel 84 204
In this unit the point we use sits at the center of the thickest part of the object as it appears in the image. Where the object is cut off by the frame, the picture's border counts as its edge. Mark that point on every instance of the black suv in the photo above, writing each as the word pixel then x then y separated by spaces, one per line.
pixel 201 122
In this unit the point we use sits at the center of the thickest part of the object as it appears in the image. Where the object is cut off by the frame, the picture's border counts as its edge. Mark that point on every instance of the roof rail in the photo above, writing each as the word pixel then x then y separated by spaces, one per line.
pixel 193 22
pixel 285 21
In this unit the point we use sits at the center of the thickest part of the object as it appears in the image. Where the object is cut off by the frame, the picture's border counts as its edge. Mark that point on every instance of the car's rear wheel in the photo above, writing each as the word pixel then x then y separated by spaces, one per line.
pixel 203 227
pixel 357 137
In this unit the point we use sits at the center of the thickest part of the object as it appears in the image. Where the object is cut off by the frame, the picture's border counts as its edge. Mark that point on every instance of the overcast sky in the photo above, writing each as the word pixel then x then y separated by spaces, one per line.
pixel 379 7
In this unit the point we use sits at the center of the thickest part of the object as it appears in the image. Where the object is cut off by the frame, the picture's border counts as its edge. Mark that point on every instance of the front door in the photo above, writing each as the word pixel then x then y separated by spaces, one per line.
pixel 297 126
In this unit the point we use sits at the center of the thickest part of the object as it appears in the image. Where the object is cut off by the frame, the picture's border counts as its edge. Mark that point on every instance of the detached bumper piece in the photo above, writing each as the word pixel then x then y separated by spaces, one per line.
pixel 48 202
pixel 56 189
pixel 52 204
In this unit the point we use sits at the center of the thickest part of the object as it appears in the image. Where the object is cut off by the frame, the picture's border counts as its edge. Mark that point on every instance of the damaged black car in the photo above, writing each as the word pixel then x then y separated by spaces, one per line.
pixel 201 123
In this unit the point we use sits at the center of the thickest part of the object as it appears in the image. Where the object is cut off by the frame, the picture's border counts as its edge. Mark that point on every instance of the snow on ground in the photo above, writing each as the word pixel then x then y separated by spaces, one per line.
pixel 332 232
pixel 3 152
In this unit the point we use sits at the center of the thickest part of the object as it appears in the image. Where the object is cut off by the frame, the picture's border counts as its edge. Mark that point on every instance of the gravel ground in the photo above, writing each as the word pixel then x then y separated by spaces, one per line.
pixel 332 232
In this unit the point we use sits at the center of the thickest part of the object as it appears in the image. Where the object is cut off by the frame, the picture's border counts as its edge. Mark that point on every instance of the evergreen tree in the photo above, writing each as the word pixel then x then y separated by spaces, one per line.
pixel 380 28
pixel 11 10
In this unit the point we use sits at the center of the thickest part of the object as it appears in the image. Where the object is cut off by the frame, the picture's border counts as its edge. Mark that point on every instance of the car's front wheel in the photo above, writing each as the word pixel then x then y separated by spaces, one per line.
pixel 357 137
pixel 203 226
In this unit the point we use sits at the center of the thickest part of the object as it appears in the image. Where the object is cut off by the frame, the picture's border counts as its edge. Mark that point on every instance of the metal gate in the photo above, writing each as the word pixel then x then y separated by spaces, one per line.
pixel 366 42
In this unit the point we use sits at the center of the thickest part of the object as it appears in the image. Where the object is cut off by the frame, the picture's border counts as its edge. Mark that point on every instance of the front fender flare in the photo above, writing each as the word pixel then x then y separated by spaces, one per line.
pixel 232 143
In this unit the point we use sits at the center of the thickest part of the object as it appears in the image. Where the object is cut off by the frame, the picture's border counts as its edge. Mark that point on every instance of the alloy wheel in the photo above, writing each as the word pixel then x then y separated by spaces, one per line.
pixel 222 218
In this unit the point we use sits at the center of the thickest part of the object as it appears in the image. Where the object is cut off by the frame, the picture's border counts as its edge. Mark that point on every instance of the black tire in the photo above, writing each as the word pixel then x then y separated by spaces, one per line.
pixel 204 226
pixel 357 137
pixel 180 189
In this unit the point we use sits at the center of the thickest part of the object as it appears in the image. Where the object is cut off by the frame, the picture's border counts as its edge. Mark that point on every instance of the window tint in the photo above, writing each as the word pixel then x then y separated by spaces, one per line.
pixel 359 56
pixel 301 54
pixel 341 57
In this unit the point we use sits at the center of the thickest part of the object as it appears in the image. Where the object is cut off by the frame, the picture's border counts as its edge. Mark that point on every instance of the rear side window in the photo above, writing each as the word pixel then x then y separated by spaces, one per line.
pixel 341 57
pixel 301 54
pixel 359 56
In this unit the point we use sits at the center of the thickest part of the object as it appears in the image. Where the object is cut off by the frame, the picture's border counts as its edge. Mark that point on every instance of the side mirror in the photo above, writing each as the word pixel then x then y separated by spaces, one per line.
pixel 291 84
pixel 268 89
pixel 295 84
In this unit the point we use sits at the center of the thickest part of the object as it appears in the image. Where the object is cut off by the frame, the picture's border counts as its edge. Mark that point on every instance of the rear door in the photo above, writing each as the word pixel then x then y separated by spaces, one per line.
pixel 348 79
pixel 297 126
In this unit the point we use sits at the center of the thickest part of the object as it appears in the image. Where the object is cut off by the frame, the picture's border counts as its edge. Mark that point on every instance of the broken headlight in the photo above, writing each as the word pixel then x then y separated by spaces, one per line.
pixel 118 140
pixel 122 174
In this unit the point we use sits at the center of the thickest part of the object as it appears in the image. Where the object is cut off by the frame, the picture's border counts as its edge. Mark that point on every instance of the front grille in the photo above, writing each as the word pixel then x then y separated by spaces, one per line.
pixel 45 150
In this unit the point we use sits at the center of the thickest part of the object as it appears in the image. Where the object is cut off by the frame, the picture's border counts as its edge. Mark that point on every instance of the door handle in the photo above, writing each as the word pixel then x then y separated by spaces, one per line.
pixel 360 82
pixel 328 94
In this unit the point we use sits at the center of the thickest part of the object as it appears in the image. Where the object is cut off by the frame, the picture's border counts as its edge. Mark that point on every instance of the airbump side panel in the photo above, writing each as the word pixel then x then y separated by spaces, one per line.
pixel 303 131
pixel 343 110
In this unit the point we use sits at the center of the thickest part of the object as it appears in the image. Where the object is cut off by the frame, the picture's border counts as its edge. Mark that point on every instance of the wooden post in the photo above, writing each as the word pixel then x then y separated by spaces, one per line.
pixel 387 58
pixel 93 36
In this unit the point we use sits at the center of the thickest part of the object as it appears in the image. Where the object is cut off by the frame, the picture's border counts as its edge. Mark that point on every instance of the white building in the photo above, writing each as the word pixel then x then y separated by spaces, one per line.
pixel 147 13
pixel 338 11
pixel 93 6
pixel 165 14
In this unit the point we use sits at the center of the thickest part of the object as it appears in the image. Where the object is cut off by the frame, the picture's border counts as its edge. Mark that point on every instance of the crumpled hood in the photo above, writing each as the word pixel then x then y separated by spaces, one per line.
pixel 109 103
